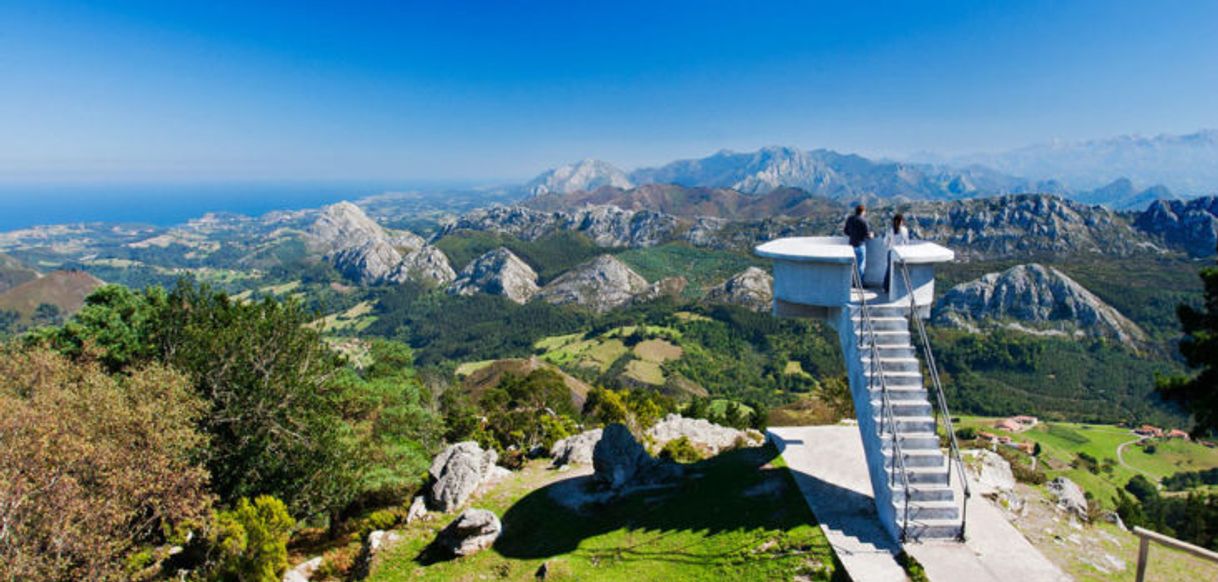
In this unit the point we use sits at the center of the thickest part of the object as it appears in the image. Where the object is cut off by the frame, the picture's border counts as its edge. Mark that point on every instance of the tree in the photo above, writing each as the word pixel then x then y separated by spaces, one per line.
pixel 1199 393
pixel 93 466
pixel 47 314
pixel 8 321
pixel 115 322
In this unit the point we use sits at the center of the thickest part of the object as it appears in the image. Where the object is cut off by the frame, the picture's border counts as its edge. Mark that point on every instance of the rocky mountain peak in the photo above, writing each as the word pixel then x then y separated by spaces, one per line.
pixel 497 272
pixel 581 176
pixel 600 284
pixel 1191 225
pixel 343 225
pixel 1034 299
pixel 752 288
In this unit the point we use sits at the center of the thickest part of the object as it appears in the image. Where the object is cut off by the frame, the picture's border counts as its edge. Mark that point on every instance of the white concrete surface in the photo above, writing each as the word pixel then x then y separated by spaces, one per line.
pixel 829 466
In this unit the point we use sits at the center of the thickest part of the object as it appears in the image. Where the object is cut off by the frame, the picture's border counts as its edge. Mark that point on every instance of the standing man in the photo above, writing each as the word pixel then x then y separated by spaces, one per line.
pixel 858 231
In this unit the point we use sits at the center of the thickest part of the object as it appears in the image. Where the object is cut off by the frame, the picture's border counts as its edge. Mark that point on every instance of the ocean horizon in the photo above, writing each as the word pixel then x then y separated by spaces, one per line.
pixel 167 204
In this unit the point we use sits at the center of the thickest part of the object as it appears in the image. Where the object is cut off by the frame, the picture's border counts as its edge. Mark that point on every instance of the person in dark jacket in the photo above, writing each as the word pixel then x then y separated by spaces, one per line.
pixel 858 231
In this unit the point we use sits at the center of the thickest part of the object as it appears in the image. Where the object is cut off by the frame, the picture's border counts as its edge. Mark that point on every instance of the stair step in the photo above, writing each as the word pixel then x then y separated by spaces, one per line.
pixel 894 379
pixel 917 458
pixel 901 311
pixel 910 441
pixel 920 493
pixel 907 424
pixel 898 364
pixel 890 352
pixel 922 476
pixel 903 407
pixel 901 394
pixel 881 324
pixel 899 337
pixel 934 529
pixel 928 510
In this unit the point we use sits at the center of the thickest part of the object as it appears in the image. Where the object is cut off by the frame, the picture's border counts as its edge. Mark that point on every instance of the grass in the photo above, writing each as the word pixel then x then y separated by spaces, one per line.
pixel 1061 442
pixel 701 267
pixel 657 351
pixel 738 516
pixel 470 367
pixel 355 319
pixel 645 372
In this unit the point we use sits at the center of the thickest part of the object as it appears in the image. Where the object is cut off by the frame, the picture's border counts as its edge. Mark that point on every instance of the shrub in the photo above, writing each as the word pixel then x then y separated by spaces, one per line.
pixel 681 450
pixel 967 433
pixel 252 540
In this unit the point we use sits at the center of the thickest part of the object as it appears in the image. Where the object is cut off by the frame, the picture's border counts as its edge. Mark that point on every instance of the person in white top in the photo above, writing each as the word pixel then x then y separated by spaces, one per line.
pixel 895 236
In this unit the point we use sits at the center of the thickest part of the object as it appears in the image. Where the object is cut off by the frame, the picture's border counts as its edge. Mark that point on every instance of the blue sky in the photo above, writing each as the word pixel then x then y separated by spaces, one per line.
pixel 129 91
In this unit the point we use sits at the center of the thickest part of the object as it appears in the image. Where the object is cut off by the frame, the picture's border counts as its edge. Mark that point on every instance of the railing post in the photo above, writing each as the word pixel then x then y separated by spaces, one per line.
pixel 1143 554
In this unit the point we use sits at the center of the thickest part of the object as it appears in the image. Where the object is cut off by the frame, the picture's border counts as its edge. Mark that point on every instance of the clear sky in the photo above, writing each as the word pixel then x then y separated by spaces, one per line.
pixel 168 90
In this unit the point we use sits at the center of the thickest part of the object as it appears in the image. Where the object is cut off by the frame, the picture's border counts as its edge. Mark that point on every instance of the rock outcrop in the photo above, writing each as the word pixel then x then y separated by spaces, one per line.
pixel 620 462
pixel 342 226
pixel 473 531
pixel 991 473
pixel 456 474
pixel 576 449
pixel 1035 299
pixel 752 288
pixel 705 435
pixel 497 272
pixel 1069 496
pixel 304 571
pixel 600 285
pixel 1191 226
pixel 428 265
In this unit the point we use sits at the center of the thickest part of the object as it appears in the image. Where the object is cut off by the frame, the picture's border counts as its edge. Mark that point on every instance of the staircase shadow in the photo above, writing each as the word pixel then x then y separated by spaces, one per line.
pixel 737 491
pixel 845 510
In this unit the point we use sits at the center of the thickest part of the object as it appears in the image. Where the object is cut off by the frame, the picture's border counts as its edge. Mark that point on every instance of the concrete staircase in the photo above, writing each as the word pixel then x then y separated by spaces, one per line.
pixel 934 508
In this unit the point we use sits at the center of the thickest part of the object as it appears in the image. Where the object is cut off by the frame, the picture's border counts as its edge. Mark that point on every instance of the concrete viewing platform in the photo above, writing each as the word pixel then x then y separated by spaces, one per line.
pixel 829 467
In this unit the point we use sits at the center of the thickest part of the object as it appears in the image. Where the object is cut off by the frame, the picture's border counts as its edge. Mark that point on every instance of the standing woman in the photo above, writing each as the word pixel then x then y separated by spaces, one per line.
pixel 893 237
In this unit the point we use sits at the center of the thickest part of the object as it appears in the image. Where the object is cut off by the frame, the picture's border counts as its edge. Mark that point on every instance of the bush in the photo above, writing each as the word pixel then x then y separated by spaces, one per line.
pixel 1021 469
pixel 252 540
pixel 967 433
pixel 681 450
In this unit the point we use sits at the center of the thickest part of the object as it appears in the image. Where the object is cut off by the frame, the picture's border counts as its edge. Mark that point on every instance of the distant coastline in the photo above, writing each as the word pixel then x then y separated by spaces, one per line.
pixel 164 204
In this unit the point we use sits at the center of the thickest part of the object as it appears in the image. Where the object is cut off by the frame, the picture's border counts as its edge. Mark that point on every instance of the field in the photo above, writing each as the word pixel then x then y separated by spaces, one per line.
pixel 1061 442
pixel 353 320
pixel 738 516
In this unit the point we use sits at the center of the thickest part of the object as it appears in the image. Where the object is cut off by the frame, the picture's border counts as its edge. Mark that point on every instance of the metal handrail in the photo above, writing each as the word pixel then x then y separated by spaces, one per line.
pixel 954 446
pixel 885 404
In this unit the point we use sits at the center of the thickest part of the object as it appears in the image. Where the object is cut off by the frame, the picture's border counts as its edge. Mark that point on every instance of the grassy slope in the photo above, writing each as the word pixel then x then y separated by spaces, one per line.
pixel 739 517
pixel 1062 441
pixel 702 268
pixel 64 289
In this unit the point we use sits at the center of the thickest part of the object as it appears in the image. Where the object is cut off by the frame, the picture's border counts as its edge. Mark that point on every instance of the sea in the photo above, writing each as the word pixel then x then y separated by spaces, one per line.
pixel 165 204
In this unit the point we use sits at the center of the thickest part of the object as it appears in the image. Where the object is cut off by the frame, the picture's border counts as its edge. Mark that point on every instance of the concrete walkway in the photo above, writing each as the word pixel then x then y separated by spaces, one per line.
pixel 830 468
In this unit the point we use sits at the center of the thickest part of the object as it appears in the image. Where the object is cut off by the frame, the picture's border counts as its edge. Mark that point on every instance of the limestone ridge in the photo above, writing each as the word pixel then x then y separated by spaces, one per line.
pixel 580 176
pixel 1026 224
pixel 364 251
pixel 1191 225
pixel 752 288
pixel 601 284
pixel 607 226
pixel 1034 299
pixel 497 272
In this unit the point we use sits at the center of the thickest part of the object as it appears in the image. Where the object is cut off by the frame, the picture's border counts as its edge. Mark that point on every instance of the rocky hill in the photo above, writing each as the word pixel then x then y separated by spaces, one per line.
pixel 601 284
pixel 497 272
pixel 488 376
pixel 65 290
pixel 607 226
pixel 1035 299
pixel 1121 194
pixel 752 288
pixel 580 176
pixel 1191 226
pixel 695 202
pixel 363 251
pixel 1024 225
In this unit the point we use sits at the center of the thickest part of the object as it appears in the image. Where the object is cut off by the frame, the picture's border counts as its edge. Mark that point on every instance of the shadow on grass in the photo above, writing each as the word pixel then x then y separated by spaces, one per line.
pixel 735 492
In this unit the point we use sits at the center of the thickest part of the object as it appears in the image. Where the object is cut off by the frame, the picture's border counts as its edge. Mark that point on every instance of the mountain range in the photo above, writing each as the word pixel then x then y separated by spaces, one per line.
pixel 1125 173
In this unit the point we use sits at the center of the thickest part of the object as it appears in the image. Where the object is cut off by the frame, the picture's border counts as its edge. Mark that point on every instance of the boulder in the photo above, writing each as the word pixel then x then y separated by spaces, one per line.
pixel 576 448
pixel 473 531
pixel 1069 496
pixel 304 571
pixel 376 543
pixel 991 473
pixel 702 433
pixel 619 461
pixel 457 472
pixel 417 511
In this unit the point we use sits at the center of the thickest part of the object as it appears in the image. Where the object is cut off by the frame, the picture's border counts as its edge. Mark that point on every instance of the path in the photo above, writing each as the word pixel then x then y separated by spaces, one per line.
pixel 830 468
pixel 1121 458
